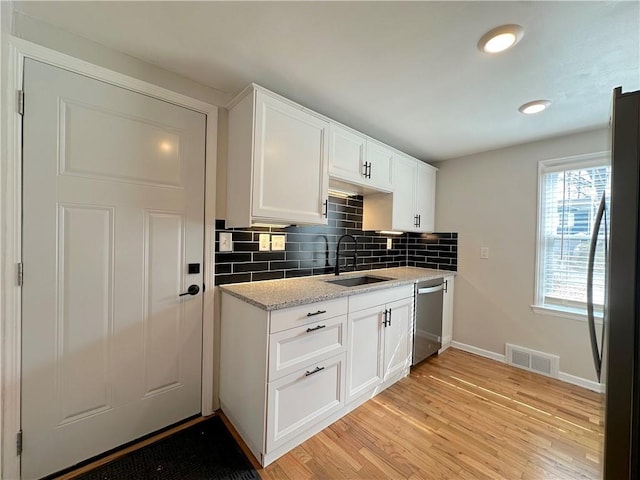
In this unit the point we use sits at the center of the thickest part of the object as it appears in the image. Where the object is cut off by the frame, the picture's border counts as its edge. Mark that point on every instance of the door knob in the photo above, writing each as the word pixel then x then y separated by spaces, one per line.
pixel 192 290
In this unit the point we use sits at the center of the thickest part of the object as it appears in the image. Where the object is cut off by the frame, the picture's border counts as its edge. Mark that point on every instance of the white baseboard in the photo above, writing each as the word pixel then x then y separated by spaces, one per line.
pixel 582 382
pixel 565 377
pixel 479 351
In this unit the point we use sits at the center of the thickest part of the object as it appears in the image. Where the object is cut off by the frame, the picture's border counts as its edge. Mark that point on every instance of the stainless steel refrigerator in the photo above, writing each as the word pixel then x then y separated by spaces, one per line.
pixel 621 343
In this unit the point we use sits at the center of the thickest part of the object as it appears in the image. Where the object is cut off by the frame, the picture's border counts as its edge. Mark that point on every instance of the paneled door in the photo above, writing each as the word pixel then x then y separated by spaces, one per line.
pixel 113 207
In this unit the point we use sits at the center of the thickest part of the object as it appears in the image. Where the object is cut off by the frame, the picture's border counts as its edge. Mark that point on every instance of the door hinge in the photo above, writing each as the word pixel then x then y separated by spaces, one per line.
pixel 19 443
pixel 20 274
pixel 21 102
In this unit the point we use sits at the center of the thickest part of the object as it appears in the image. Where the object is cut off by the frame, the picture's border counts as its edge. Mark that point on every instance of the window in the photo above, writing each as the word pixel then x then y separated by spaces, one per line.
pixel 570 191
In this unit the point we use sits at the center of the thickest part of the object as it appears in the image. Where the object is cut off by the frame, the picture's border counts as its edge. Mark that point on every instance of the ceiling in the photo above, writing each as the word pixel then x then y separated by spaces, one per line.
pixel 406 73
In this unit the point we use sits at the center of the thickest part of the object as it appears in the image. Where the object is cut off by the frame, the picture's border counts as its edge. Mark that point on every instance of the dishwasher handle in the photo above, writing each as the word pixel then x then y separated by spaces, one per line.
pixel 437 288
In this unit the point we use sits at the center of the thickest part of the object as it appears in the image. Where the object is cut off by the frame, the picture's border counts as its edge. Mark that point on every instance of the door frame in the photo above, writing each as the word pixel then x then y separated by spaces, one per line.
pixel 11 241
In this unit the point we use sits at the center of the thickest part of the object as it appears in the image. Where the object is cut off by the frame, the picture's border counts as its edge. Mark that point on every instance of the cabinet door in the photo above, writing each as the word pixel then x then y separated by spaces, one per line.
pixel 404 194
pixel 290 177
pixel 396 337
pixel 364 363
pixel 299 400
pixel 426 196
pixel 347 154
pixel 447 313
pixel 380 159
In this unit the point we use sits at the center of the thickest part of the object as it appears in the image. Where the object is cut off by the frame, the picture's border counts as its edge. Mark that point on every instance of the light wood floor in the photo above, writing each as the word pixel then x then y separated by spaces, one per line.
pixel 459 416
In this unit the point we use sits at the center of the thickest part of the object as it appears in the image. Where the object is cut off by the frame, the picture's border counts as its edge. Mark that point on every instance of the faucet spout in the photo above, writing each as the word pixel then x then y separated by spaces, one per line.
pixel 355 252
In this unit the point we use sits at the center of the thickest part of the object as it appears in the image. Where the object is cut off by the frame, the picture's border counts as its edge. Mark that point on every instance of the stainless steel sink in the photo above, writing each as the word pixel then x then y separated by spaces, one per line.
pixel 355 281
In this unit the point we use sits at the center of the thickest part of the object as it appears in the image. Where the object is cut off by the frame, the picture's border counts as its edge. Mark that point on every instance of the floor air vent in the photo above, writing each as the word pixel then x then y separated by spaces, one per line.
pixel 532 360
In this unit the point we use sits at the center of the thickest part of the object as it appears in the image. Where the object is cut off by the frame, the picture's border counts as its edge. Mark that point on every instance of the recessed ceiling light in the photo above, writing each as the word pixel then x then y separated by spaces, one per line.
pixel 534 107
pixel 500 38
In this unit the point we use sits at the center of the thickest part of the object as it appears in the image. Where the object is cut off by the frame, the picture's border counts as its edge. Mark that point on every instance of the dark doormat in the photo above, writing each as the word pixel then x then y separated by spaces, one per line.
pixel 205 451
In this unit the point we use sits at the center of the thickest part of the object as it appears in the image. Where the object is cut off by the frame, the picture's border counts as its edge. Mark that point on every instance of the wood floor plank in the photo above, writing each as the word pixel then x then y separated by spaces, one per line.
pixel 460 416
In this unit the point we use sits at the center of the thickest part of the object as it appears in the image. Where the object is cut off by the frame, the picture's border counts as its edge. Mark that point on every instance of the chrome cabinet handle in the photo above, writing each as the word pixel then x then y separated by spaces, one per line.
pixel 319 312
pixel 192 290
pixel 315 370
pixel 315 328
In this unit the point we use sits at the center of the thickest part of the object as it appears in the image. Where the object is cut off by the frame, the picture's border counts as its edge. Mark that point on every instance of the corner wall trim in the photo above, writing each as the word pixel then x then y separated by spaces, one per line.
pixel 562 376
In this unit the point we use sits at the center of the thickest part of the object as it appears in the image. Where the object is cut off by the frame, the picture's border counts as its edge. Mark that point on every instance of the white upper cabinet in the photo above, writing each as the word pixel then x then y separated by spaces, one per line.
pixel 347 149
pixel 281 156
pixel 404 213
pixel 411 207
pixel 379 166
pixel 356 159
pixel 426 197
pixel 277 162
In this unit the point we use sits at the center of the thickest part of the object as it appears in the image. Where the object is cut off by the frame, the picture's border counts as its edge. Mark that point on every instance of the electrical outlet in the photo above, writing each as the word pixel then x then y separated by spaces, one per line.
pixel 226 242
pixel 484 252
pixel 277 242
pixel 389 243
pixel 265 242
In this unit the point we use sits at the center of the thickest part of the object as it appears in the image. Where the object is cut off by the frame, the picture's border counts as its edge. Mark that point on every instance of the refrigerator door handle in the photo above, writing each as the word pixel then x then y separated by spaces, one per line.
pixel 597 355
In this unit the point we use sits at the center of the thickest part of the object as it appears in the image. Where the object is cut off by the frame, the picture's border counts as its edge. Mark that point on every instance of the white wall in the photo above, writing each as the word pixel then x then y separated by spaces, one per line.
pixel 42 33
pixel 490 200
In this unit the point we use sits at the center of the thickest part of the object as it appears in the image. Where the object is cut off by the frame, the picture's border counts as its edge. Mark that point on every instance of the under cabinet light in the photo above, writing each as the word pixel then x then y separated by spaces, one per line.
pixel 274 225
pixel 390 232
pixel 341 193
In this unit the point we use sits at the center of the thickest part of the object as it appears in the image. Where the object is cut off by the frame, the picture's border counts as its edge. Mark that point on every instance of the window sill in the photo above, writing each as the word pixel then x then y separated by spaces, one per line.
pixel 562 313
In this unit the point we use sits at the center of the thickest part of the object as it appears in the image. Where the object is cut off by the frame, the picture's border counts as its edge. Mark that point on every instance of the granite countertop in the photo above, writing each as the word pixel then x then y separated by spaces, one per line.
pixel 278 294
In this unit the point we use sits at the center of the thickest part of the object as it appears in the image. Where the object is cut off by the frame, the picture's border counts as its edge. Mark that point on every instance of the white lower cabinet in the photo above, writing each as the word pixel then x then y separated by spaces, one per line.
pixel 378 345
pixel 365 347
pixel 447 312
pixel 287 374
pixel 397 351
pixel 300 400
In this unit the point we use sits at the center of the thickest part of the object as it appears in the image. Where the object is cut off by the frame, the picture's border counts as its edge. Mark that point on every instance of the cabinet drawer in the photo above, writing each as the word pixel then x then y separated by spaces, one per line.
pixel 309 313
pixel 301 399
pixel 290 350
pixel 379 297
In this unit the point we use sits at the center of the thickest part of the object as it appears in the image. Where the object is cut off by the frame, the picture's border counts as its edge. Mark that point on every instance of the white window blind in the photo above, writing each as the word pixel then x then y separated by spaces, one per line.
pixel 570 193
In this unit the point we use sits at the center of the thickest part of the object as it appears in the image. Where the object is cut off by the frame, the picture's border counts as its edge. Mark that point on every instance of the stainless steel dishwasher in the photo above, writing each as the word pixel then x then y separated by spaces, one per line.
pixel 427 330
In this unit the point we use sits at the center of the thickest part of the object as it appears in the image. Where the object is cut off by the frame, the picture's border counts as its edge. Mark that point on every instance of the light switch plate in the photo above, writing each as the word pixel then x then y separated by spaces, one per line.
pixel 484 253
pixel 265 241
pixel 226 242
pixel 277 242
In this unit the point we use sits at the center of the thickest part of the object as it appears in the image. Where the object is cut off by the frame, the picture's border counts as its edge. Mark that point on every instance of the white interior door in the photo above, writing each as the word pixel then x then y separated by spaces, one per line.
pixel 113 204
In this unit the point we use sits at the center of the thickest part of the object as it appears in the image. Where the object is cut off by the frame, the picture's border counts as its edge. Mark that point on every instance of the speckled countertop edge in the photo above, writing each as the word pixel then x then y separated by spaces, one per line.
pixel 277 294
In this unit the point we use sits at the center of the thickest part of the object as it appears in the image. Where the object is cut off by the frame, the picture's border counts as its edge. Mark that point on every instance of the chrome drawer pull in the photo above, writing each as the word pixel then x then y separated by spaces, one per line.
pixel 315 370
pixel 316 313
pixel 315 328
